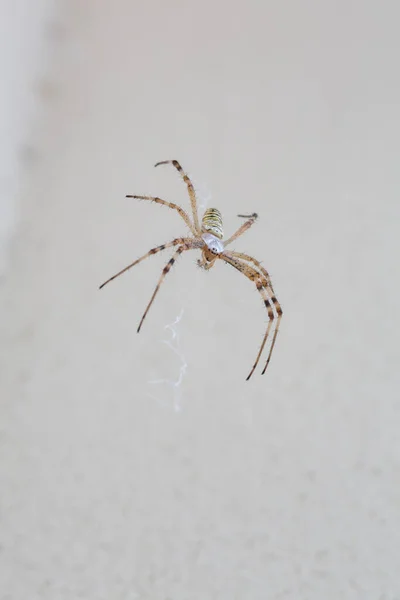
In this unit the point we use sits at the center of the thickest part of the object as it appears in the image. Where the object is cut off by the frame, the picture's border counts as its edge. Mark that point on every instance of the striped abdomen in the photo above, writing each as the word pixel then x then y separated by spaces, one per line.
pixel 212 223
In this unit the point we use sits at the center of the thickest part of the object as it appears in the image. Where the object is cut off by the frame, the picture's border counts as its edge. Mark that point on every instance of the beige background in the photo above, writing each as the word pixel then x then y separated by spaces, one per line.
pixel 205 486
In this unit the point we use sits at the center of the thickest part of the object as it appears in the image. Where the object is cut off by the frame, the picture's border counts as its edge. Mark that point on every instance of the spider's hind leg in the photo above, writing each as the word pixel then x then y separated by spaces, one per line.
pixel 172 205
pixel 251 220
pixel 192 194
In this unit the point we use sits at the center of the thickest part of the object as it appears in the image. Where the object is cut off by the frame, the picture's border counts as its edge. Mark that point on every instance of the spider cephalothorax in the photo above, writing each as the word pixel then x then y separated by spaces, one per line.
pixel 208 237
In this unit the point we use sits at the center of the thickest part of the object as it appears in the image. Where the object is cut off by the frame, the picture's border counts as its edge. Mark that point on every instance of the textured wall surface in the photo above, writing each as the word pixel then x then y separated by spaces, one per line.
pixel 133 471
pixel 26 41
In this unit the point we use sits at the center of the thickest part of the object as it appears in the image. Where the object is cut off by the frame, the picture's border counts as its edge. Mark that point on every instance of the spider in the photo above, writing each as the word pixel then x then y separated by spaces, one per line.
pixel 208 237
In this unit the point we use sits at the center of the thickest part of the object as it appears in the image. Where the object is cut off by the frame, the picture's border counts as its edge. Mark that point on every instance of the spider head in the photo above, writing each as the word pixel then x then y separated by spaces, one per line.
pixel 210 251
pixel 213 246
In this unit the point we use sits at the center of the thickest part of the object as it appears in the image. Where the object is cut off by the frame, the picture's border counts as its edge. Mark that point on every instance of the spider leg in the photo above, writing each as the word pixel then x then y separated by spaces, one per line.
pixel 271 292
pixel 192 194
pixel 186 246
pixel 263 287
pixel 149 253
pixel 251 220
pixel 180 210
pixel 275 302
pixel 278 322
pixel 255 262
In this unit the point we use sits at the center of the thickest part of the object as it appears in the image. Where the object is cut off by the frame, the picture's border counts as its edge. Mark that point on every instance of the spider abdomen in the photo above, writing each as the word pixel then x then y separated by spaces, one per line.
pixel 212 223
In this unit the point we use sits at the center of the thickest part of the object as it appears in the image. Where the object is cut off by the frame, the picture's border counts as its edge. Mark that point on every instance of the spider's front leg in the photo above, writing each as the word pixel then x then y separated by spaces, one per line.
pixel 188 244
pixel 176 242
pixel 262 284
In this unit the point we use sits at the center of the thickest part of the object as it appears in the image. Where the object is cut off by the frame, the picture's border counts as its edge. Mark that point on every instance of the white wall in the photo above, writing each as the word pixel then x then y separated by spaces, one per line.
pixel 25 36
pixel 284 487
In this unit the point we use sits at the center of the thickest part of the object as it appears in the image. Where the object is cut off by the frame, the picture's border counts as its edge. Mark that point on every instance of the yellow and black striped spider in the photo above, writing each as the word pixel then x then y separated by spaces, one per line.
pixel 208 237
